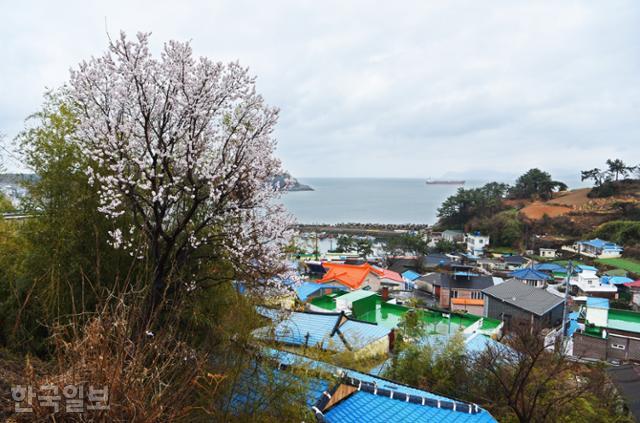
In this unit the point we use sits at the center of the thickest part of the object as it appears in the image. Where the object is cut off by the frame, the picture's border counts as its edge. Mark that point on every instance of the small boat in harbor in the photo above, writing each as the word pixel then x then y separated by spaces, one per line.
pixel 444 182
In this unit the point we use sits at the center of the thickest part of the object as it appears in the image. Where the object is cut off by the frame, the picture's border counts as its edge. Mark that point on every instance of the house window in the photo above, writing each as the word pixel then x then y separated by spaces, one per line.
pixel 618 346
pixel 476 295
pixel 454 293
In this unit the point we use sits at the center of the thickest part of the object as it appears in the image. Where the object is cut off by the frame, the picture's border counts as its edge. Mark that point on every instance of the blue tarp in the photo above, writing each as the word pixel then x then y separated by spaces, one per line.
pixel 615 280
pixel 573 323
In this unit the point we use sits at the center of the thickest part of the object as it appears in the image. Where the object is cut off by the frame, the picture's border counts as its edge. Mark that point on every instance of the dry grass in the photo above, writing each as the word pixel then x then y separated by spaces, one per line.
pixel 149 378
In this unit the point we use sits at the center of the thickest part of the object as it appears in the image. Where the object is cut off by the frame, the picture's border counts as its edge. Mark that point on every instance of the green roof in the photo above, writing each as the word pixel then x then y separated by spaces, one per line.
pixel 328 301
pixel 624 320
pixel 389 315
pixel 489 324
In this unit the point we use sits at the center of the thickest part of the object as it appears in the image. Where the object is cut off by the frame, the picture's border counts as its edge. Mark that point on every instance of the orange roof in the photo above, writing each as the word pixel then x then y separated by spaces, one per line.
pixel 351 275
pixel 467 301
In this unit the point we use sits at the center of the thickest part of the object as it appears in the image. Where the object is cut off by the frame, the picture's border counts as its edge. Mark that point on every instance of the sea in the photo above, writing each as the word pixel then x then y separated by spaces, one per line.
pixel 369 200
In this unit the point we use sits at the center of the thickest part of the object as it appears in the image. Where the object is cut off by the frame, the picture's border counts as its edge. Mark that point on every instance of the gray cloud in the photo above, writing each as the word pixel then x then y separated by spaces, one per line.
pixel 399 89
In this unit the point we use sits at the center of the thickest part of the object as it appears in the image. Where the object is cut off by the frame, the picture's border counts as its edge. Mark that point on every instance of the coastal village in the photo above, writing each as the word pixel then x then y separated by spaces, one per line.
pixel 462 245
pixel 348 307
pixel 347 302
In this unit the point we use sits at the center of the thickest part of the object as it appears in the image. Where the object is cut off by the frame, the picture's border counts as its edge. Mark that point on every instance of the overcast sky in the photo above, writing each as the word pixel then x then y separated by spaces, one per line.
pixel 402 89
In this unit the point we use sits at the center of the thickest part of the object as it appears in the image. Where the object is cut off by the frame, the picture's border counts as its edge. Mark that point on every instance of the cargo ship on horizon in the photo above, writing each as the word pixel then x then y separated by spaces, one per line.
pixel 445 182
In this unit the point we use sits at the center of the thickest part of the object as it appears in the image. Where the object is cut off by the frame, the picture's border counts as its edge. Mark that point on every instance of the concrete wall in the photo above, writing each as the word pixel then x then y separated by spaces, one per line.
pixel 589 346
pixel 611 348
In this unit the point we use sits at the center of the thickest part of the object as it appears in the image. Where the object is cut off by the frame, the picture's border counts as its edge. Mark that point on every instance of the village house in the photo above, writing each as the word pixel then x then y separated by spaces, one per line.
pixel 309 290
pixel 598 248
pixel 400 264
pixel 366 306
pixel 476 243
pixel 435 260
pixel 327 331
pixel 337 394
pixel 361 276
pixel 531 277
pixel 605 333
pixel 586 282
pixel 459 290
pixel 519 304
pixel 547 252
pixel 453 235
pixel 514 262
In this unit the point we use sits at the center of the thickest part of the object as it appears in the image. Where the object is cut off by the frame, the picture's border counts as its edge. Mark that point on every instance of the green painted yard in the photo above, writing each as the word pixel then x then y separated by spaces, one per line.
pixel 622 263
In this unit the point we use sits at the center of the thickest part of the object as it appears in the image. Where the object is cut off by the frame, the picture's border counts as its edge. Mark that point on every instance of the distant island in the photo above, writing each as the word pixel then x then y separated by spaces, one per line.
pixel 289 183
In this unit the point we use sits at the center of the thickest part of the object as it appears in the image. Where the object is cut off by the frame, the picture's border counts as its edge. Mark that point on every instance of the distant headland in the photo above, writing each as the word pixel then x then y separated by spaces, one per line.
pixel 289 183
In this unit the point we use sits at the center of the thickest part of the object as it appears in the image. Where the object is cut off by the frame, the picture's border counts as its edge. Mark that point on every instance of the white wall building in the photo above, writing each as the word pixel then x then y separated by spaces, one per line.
pixel 476 243
pixel 588 283
pixel 548 252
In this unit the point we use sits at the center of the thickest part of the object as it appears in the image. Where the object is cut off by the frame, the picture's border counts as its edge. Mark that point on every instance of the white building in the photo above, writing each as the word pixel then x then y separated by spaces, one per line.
pixel 587 283
pixel 476 243
pixel 548 252
pixel 598 248
pixel 452 235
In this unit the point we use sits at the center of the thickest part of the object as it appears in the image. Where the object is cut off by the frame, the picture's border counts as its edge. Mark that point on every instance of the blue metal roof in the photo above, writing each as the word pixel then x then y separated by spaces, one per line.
pixel 528 274
pixel 309 288
pixel 598 302
pixel 549 267
pixel 581 267
pixel 410 275
pixel 359 334
pixel 369 407
pixel 317 329
pixel 366 407
pixel 600 243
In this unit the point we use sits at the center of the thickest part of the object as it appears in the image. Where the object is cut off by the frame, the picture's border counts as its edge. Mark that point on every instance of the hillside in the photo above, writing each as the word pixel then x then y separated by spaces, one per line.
pixel 578 205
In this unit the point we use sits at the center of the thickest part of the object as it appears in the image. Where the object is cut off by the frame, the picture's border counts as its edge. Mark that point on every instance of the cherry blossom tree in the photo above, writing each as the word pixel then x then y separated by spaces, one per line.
pixel 182 150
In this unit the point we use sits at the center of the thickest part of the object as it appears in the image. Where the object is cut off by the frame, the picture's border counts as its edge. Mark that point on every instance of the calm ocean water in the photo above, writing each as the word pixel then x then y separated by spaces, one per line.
pixel 368 200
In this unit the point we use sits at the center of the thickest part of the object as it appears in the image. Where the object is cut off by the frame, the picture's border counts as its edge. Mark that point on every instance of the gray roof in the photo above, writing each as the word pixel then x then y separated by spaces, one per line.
pixel 447 280
pixel 534 300
pixel 517 259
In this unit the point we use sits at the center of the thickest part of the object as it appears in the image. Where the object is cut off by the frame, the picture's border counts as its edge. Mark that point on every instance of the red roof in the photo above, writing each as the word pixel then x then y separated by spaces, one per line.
pixel 390 274
pixel 350 275
pixel 635 284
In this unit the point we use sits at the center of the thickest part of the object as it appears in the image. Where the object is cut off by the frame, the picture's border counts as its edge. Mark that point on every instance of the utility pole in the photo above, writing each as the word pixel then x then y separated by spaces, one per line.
pixel 566 298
